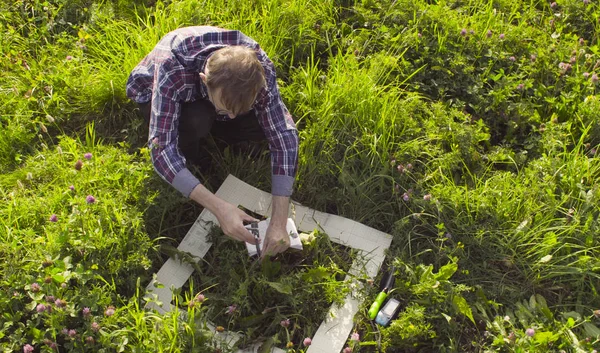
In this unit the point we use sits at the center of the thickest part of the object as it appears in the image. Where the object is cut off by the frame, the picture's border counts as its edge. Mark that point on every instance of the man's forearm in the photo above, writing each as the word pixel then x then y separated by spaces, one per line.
pixel 207 199
pixel 279 213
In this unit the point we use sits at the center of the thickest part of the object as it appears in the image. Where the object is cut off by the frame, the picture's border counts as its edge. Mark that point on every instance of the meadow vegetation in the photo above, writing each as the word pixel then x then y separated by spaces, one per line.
pixel 467 129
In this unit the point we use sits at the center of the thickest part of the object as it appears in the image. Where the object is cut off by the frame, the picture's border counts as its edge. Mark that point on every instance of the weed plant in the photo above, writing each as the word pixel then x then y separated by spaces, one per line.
pixel 268 300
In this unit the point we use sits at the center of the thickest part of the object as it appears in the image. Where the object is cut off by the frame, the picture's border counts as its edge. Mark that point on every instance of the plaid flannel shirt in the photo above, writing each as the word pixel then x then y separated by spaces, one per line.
pixel 169 75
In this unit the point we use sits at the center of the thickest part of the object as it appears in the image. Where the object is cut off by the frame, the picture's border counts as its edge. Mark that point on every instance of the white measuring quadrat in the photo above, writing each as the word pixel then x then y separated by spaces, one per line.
pixel 335 329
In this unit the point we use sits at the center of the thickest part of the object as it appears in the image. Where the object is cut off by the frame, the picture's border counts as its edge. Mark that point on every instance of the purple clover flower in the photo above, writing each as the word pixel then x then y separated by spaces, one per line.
pixel 581 41
pixel 347 350
pixel 90 199
pixel 594 78
pixel 35 287
pixel 405 197
pixel 89 340
pixel 231 309
pixel 419 35
pixel 86 312
pixel 533 57
pixel 285 323
pixel 40 308
pixel 72 333
pixel 530 332
pixel 72 187
pixel 427 197
pixel 87 156
pixel 27 348
pixel 355 337
pixel 501 36
pixel 489 33
pixel 60 303
pixel 307 342
pixel 53 218
pixel 521 87
pixel 95 326
pixel 512 58
pixel 69 58
pixel 200 298
pixel 110 311
pixel 553 5
pixel 564 67
pixel 463 32
pixel 586 75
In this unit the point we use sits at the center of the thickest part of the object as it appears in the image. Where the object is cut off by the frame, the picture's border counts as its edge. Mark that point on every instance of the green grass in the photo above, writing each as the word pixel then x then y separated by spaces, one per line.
pixel 477 153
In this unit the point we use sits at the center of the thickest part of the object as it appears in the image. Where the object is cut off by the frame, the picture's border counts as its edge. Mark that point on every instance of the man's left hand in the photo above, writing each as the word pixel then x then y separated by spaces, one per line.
pixel 277 240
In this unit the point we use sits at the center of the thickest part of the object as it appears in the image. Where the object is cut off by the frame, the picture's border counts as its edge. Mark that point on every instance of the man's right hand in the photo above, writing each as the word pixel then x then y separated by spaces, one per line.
pixel 230 217
pixel 232 221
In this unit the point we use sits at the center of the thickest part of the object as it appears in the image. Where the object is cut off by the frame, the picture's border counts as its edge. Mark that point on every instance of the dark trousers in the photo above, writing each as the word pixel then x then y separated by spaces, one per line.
pixel 197 121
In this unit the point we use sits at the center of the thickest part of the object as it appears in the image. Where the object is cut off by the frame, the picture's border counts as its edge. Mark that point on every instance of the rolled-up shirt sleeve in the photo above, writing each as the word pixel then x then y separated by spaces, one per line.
pixel 167 159
pixel 282 135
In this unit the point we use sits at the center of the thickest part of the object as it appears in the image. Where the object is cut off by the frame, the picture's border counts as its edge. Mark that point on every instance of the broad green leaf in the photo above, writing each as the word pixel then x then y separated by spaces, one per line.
pixel 572 314
pixel 591 330
pixel 58 278
pixel 543 307
pixel 270 268
pixel 36 333
pixel 446 272
pixel 317 274
pixel 461 305
pixel 426 274
pixel 281 288
pixel 543 337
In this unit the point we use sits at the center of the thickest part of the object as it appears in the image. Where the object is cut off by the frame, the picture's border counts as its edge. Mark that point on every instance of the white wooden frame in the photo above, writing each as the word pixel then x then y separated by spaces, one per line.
pixel 335 329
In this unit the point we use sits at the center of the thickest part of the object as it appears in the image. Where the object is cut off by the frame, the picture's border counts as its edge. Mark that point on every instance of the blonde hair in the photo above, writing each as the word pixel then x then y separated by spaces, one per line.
pixel 237 75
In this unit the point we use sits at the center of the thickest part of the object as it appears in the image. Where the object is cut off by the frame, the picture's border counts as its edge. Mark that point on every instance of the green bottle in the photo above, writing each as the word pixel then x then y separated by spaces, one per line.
pixel 388 281
pixel 374 309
